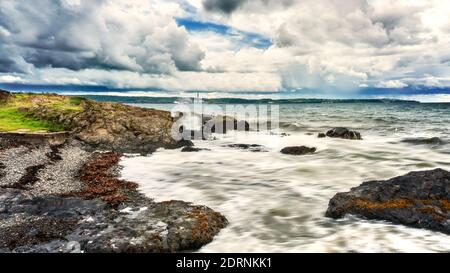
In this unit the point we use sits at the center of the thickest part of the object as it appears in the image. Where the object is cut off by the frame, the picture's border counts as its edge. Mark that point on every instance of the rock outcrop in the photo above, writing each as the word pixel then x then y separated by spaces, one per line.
pixel 341 132
pixel 113 126
pixel 418 199
pixel 298 150
pixel 73 224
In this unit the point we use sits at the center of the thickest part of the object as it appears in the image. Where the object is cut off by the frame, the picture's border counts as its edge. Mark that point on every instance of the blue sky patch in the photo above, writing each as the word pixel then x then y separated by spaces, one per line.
pixel 242 38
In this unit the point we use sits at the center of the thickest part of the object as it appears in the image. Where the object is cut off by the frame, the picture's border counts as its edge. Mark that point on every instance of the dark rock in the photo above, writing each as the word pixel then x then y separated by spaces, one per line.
pixel 418 199
pixel 72 224
pixel 298 150
pixel 189 149
pixel 193 134
pixel 223 124
pixel 4 96
pixel 424 141
pixel 344 133
pixel 2 167
pixel 250 147
pixel 321 135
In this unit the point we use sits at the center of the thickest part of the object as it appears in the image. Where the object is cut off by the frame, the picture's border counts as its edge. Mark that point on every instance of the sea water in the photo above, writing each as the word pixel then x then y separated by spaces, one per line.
pixel 276 202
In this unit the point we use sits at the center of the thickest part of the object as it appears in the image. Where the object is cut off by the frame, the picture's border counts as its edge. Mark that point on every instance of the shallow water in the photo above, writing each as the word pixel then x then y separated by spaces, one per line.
pixel 276 202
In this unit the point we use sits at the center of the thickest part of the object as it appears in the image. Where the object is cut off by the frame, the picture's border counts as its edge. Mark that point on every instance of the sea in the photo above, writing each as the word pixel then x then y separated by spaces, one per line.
pixel 276 202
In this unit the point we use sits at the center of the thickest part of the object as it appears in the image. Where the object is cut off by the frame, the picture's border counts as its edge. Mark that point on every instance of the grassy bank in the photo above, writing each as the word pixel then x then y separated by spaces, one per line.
pixel 14 115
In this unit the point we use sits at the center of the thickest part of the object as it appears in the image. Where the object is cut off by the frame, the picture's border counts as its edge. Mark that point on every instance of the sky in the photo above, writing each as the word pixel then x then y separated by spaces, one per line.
pixel 325 46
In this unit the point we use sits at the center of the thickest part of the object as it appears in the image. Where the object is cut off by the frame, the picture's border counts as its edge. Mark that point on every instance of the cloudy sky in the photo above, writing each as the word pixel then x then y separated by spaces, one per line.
pixel 227 45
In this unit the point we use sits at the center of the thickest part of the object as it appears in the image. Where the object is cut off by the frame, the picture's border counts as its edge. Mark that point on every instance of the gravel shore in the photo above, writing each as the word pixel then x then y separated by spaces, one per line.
pixel 66 198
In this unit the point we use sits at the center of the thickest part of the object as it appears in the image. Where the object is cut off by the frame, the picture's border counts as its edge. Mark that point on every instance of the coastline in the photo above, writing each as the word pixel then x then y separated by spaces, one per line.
pixel 63 195
pixel 79 170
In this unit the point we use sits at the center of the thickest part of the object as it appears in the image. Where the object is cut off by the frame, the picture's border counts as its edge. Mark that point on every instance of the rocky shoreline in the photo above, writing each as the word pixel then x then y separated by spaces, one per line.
pixel 69 199
pixel 63 194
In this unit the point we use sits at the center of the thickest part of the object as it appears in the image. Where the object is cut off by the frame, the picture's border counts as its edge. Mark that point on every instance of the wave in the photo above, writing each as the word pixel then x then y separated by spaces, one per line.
pixel 170 100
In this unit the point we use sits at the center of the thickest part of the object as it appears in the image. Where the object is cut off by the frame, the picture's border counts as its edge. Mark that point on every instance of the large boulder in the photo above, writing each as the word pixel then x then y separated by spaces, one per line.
pixel 298 150
pixel 341 132
pixel 418 199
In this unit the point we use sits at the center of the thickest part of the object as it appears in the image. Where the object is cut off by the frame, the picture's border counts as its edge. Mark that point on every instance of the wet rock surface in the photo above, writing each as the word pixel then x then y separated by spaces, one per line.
pixel 424 141
pixel 191 149
pixel 72 224
pixel 250 147
pixel 76 203
pixel 223 124
pixel 298 150
pixel 418 199
pixel 341 132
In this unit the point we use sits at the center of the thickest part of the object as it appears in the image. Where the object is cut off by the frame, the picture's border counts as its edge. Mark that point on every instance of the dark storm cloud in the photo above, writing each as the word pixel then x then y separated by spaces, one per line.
pixel 229 6
pixel 225 6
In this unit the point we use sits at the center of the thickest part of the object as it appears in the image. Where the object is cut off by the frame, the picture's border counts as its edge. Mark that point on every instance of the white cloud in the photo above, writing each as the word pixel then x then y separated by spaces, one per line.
pixel 11 79
pixel 391 84
pixel 139 36
pixel 322 44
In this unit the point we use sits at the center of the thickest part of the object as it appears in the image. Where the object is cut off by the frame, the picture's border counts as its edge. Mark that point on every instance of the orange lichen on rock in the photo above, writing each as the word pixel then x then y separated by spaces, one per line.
pixel 390 204
pixel 445 204
pixel 201 225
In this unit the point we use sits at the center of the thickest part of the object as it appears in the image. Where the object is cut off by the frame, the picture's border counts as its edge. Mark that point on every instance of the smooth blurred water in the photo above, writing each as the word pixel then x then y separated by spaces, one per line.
pixel 276 202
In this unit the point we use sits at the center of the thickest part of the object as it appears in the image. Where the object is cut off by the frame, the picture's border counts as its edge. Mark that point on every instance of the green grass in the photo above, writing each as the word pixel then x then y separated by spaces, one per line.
pixel 12 119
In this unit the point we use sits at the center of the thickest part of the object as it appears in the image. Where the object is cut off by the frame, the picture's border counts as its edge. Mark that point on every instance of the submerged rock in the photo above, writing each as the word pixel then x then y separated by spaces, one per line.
pixel 189 149
pixel 298 150
pixel 250 147
pixel 321 135
pixel 341 132
pixel 418 199
pixel 424 141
